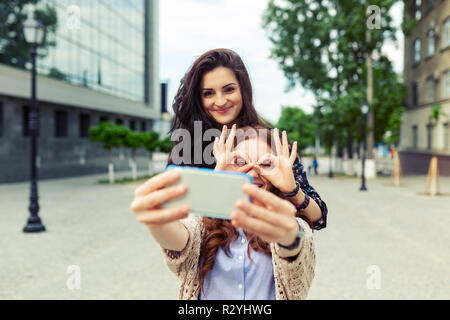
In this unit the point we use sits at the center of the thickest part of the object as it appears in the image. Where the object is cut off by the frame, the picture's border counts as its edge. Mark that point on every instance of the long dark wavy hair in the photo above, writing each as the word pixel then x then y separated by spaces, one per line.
pixel 188 107
pixel 221 233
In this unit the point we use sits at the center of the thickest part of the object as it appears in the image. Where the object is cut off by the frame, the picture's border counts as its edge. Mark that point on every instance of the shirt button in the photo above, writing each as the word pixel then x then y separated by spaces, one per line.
pixel 243 240
pixel 240 286
pixel 240 257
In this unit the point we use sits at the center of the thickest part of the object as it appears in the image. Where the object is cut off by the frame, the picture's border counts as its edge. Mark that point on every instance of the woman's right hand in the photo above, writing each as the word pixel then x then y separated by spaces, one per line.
pixel 226 159
pixel 149 197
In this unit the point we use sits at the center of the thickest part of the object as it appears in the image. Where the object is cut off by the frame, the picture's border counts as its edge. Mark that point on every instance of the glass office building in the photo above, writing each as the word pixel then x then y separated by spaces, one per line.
pixel 101 63
pixel 99 44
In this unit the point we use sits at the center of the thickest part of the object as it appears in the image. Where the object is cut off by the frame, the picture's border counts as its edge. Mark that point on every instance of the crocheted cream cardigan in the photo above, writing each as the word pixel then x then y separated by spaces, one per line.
pixel 292 278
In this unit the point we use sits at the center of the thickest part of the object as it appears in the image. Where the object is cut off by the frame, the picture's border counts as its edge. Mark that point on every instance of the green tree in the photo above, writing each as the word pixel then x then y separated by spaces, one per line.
pixel 165 145
pixel 14 50
pixel 110 136
pixel 299 126
pixel 133 140
pixel 322 46
pixel 150 141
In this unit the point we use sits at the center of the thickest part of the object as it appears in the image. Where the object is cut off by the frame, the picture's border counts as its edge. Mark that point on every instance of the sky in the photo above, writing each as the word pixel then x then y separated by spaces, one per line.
pixel 189 28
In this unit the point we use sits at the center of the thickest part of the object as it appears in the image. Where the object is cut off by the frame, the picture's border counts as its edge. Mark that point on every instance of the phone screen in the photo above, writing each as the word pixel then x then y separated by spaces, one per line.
pixel 210 193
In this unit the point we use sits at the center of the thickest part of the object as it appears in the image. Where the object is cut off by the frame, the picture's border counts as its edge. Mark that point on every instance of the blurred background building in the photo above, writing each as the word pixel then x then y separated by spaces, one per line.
pixel 427 77
pixel 100 64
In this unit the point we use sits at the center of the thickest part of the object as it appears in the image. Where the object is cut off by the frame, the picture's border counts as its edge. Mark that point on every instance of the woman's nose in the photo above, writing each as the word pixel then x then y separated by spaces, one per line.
pixel 220 100
pixel 253 171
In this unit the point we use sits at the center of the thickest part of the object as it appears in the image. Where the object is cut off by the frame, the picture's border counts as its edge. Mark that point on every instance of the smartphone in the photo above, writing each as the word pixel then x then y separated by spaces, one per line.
pixel 209 193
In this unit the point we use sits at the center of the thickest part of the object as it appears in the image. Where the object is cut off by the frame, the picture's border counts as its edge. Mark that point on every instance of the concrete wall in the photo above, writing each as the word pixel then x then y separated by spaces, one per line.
pixel 58 156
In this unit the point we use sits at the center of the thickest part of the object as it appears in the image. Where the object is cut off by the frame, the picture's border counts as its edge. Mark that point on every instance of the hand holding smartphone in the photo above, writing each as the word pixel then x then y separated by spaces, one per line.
pixel 209 193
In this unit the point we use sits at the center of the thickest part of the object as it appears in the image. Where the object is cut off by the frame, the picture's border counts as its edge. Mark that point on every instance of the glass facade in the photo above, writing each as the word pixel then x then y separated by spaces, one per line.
pixel 100 45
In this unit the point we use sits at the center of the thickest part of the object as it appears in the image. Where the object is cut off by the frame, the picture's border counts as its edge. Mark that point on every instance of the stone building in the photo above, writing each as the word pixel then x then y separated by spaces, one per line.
pixel 427 78
pixel 104 67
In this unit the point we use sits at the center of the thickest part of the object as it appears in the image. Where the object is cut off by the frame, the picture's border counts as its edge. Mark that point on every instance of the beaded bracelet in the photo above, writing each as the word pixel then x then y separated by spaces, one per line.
pixel 304 204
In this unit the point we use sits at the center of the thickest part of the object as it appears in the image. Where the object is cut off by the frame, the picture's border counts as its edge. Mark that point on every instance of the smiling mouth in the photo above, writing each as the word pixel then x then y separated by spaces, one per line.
pixel 223 110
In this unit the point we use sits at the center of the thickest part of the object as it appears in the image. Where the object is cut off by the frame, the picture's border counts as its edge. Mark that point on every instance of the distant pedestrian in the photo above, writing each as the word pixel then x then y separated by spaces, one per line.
pixel 392 152
pixel 315 164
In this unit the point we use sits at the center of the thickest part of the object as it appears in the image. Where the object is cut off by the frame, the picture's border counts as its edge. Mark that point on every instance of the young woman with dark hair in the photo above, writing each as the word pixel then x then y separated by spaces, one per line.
pixel 216 93
pixel 265 252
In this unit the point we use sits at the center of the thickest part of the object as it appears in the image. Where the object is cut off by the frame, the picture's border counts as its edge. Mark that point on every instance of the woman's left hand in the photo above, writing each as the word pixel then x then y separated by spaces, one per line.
pixel 268 216
pixel 278 168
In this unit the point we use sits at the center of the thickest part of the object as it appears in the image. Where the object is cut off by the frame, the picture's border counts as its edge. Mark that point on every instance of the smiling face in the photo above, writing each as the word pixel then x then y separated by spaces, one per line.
pixel 221 95
pixel 253 151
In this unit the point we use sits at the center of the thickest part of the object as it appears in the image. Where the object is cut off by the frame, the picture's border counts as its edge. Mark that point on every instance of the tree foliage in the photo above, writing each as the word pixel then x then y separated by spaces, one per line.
pixel 109 134
pixel 150 141
pixel 322 46
pixel 165 145
pixel 112 136
pixel 14 50
pixel 299 126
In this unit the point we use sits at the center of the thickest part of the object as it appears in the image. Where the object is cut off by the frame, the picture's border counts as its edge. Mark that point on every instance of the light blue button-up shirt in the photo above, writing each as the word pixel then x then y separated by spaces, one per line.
pixel 239 278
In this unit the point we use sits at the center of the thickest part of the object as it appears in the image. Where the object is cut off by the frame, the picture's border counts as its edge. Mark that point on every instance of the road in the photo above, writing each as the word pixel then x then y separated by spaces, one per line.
pixel 386 243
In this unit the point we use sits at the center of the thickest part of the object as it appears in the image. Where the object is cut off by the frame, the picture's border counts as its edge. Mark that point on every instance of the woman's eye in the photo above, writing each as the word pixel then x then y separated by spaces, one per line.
pixel 240 161
pixel 207 93
pixel 229 89
pixel 266 164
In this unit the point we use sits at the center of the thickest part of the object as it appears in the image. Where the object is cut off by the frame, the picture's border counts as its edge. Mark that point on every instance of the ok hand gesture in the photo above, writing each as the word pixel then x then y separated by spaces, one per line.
pixel 280 173
pixel 225 156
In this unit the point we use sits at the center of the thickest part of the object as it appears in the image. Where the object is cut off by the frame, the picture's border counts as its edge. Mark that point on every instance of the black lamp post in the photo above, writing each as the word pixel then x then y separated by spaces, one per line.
pixel 34 34
pixel 330 129
pixel 364 111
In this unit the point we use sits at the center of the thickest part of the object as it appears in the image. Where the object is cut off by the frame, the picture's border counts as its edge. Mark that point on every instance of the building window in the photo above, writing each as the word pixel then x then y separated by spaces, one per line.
pixel 415 93
pixel 132 125
pixel 429 135
pixel 446 34
pixel 1 119
pixel 431 42
pixel 430 89
pixel 447 136
pixel 143 126
pixel 417 51
pixel 415 137
pixel 417 12
pixel 119 122
pixel 61 123
pixel 103 119
pixel 446 84
pixel 84 125
pixel 430 4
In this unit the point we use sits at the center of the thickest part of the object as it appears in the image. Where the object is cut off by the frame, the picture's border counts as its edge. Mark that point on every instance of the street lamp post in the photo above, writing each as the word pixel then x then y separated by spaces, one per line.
pixel 330 128
pixel 34 34
pixel 364 111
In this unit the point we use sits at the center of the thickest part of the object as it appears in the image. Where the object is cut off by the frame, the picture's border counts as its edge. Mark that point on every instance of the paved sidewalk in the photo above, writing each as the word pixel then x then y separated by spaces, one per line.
pixel 401 232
